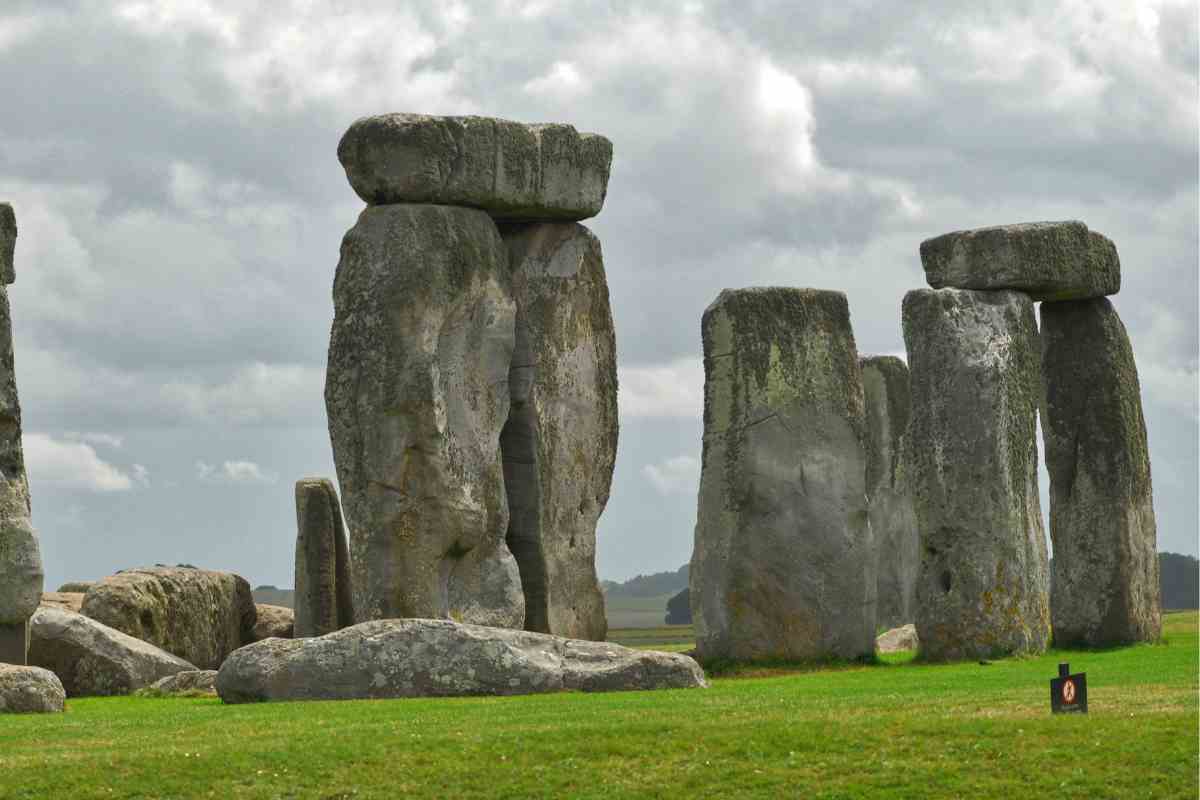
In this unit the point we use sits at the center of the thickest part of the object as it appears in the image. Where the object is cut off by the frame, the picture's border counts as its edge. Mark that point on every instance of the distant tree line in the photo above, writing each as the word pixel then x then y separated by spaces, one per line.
pixel 653 585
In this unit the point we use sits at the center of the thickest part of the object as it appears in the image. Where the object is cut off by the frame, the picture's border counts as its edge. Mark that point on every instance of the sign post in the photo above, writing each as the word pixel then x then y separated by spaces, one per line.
pixel 1068 693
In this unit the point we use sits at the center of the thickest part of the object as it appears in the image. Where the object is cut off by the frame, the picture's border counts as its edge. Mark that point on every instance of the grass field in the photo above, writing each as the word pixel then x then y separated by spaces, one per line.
pixel 636 612
pixel 897 729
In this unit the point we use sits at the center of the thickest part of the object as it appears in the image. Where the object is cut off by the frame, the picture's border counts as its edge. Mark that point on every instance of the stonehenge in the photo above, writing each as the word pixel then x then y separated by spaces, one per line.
pixel 323 593
pixel 450 373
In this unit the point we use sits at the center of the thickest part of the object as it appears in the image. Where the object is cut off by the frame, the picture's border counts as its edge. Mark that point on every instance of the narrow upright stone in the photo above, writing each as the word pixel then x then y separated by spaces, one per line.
pixel 784 564
pixel 8 243
pixel 560 441
pixel 1104 590
pixel 324 602
pixel 417 392
pixel 893 521
pixel 1046 260
pixel 972 465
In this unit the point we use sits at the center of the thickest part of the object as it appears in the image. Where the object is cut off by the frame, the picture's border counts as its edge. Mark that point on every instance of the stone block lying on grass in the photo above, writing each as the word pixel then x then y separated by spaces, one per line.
pixel 439 658
pixel 67 601
pixel 898 640
pixel 192 682
pixel 29 690
pixel 277 621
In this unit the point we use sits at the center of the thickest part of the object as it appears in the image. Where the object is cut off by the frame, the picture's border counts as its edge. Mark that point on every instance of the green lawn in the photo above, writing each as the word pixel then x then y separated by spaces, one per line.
pixel 897 729
pixel 636 612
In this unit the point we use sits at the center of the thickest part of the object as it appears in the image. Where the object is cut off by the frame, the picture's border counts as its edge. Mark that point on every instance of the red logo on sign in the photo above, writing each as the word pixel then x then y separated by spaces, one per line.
pixel 1068 691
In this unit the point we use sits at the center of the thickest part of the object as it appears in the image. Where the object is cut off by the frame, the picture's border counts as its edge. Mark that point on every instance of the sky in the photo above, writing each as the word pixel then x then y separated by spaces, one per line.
pixel 173 169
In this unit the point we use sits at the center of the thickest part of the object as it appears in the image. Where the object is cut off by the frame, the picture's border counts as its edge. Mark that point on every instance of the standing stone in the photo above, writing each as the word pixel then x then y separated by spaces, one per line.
pixel 893 521
pixel 324 601
pixel 560 442
pixel 784 564
pixel 417 392
pixel 21 575
pixel 1105 584
pixel 974 359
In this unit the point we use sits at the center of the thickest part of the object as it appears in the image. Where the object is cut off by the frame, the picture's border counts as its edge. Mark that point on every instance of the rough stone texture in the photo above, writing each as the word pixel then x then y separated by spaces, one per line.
pixel 185 683
pixel 560 441
pixel 324 601
pixel 30 690
pixel 93 659
pixel 1046 260
pixel 1105 587
pixel 975 375
pixel 893 520
pixel 76 587
pixel 783 565
pixel 511 170
pixel 67 601
pixel 417 392
pixel 8 243
pixel 14 643
pixel 440 658
pixel 898 640
pixel 275 621
pixel 197 614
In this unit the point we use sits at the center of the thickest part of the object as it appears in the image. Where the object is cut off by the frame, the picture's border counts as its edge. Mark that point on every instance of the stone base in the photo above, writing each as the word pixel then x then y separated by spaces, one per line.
pixel 14 644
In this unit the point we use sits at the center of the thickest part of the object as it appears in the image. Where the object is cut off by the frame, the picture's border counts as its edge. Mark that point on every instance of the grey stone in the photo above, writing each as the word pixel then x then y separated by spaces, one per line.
pixel 91 658
pixel 893 519
pixel 898 640
pixel 783 565
pixel 324 601
pixel 8 243
pixel 484 587
pixel 192 682
pixel 197 614
pixel 14 643
pixel 560 441
pixel 975 362
pixel 1105 570
pixel 275 621
pixel 511 170
pixel 416 392
pixel 67 601
pixel 30 690
pixel 1046 260
pixel 20 568
pixel 439 658
pixel 76 587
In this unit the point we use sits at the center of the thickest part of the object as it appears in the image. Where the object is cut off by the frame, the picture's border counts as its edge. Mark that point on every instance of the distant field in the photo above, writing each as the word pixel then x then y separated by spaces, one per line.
pixel 636 612
pixel 672 638
pixel 894 730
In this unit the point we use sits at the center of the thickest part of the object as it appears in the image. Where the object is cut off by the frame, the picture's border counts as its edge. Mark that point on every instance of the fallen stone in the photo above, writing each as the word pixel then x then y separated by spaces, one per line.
pixel 784 562
pixel 898 640
pixel 76 587
pixel 30 690
pixel 893 520
pixel 199 615
pixel 274 621
pixel 1105 586
pixel 67 601
pixel 975 362
pixel 193 682
pixel 93 659
pixel 8 243
pixel 324 598
pixel 439 658
pixel 416 392
pixel 511 170
pixel 1046 260
pixel 560 441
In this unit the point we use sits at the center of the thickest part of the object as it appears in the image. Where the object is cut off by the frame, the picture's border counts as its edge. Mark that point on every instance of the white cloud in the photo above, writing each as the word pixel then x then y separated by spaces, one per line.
pixel 563 79
pixel 675 389
pixel 234 472
pixel 71 465
pixel 677 475
pixel 102 439
pixel 255 394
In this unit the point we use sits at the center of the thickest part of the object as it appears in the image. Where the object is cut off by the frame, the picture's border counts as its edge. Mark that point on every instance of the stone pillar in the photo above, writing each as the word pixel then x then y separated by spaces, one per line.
pixel 1105 587
pixel 560 441
pixel 975 360
pixel 784 564
pixel 893 521
pixel 20 558
pixel 324 601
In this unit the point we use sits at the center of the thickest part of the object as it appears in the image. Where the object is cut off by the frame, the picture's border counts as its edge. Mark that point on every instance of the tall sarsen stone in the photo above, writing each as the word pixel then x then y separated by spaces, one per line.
pixel 783 565
pixel 324 599
pixel 972 465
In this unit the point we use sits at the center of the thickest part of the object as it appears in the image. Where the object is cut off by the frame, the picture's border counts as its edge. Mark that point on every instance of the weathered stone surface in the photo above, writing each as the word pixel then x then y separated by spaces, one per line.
pixel 898 640
pixel 20 568
pixel 511 170
pixel 972 467
pixel 1046 260
pixel 560 441
pixel 273 621
pixel 14 643
pixel 67 601
pixel 417 392
pixel 8 243
pixel 440 658
pixel 324 598
pixel 783 565
pixel 93 659
pixel 893 520
pixel 197 614
pixel 184 683
pixel 76 587
pixel 29 690
pixel 1105 587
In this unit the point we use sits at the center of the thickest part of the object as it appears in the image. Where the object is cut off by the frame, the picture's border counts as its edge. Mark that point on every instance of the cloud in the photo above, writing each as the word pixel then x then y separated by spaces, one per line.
pixel 102 439
pixel 234 472
pixel 72 466
pixel 677 475
pixel 675 389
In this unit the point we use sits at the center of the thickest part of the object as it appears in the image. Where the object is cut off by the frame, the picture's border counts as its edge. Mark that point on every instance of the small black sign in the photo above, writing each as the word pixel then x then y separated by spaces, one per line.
pixel 1068 693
